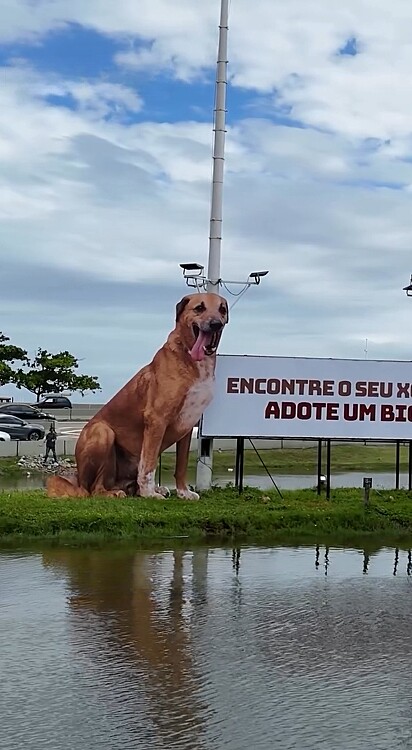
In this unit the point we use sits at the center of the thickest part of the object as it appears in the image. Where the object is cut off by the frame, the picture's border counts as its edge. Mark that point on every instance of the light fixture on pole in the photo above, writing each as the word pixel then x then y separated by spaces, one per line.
pixel 193 274
pixel 408 289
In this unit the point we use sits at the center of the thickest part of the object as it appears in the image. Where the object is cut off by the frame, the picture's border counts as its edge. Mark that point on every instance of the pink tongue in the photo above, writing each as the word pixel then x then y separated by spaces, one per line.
pixel 197 352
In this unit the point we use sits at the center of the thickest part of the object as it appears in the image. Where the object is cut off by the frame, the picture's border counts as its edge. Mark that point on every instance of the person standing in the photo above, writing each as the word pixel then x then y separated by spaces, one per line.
pixel 51 438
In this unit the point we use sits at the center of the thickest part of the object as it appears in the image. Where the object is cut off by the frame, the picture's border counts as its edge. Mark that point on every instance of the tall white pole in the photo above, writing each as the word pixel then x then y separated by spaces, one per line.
pixel 204 469
pixel 216 210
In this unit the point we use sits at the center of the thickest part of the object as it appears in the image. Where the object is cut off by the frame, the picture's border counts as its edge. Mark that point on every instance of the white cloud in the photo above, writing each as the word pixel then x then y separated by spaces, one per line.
pixel 290 47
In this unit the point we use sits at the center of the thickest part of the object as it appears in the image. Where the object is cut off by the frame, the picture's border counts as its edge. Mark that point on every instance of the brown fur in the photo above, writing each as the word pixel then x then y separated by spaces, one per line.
pixel 118 449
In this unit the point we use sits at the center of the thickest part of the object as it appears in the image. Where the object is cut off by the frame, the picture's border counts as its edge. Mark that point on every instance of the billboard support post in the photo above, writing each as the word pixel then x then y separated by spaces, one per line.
pixel 397 464
pixel 240 457
pixel 239 442
pixel 410 466
pixel 328 442
pixel 319 467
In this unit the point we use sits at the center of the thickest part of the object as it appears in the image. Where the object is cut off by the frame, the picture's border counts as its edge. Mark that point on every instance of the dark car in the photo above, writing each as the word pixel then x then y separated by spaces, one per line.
pixel 24 411
pixel 54 402
pixel 18 429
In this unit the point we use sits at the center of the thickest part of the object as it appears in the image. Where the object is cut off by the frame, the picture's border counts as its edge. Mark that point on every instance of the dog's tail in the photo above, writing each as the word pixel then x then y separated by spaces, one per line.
pixel 57 486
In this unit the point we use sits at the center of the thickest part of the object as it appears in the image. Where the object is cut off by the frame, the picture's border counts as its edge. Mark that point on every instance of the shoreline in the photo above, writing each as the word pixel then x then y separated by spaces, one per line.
pixel 220 515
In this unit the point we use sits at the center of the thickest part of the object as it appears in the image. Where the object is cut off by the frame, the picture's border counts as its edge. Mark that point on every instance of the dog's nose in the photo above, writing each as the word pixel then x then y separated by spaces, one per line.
pixel 215 325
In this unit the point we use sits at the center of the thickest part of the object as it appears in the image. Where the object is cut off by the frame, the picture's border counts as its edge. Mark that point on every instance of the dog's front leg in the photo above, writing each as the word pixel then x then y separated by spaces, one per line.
pixel 182 457
pixel 151 445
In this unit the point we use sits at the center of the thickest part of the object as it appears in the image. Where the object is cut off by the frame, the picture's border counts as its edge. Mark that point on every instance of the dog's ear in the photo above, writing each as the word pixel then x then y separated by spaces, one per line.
pixel 181 306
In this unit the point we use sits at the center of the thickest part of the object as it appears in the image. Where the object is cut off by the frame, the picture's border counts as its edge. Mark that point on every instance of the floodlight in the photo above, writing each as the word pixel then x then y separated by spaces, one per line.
pixel 257 275
pixel 408 289
pixel 191 267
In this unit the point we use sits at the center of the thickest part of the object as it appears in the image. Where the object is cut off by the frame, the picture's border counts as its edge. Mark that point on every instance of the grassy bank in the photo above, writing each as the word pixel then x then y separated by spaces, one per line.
pixel 9 467
pixel 350 457
pixel 220 514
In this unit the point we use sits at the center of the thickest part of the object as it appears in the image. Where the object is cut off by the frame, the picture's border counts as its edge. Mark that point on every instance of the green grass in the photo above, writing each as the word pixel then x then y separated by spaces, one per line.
pixel 348 457
pixel 9 467
pixel 220 514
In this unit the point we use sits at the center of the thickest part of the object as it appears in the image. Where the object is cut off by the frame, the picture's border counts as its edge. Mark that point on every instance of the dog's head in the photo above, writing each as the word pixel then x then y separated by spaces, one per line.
pixel 201 319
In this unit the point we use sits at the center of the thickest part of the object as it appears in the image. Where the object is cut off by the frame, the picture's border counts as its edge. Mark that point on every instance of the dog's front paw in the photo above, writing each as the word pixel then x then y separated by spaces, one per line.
pixel 164 491
pixel 152 494
pixel 187 495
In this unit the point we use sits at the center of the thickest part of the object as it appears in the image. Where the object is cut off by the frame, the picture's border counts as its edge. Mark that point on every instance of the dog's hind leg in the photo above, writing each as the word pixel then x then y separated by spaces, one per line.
pixel 57 486
pixel 96 460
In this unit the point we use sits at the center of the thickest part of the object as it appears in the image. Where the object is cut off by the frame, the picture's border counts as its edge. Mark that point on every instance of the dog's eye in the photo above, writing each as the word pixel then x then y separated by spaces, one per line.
pixel 200 308
pixel 222 310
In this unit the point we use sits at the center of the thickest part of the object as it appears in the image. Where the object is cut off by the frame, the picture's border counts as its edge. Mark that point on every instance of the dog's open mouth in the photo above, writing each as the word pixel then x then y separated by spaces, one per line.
pixel 205 345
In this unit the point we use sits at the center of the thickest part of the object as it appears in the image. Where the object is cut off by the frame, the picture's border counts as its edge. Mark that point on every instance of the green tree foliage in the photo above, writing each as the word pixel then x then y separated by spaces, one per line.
pixel 54 373
pixel 9 354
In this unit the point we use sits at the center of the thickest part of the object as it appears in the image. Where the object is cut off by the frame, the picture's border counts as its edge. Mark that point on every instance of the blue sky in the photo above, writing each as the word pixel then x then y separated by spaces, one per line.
pixel 105 169
pixel 82 53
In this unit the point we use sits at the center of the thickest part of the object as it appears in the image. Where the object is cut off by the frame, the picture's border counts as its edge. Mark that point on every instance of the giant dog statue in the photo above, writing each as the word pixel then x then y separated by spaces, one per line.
pixel 118 449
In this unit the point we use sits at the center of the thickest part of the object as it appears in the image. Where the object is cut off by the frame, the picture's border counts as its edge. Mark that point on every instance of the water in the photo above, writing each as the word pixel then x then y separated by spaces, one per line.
pixel 381 480
pixel 202 649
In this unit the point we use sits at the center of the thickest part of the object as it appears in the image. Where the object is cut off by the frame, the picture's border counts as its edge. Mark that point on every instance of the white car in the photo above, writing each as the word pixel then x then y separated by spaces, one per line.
pixel 4 436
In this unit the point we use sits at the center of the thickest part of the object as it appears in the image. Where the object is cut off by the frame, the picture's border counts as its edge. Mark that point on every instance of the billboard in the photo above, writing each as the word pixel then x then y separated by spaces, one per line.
pixel 299 397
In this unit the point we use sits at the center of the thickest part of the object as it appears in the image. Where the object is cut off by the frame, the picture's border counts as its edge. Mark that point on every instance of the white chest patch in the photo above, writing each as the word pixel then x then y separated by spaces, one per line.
pixel 197 399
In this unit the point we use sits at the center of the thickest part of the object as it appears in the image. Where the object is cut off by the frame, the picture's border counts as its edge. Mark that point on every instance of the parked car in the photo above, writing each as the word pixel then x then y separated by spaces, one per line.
pixel 4 436
pixel 24 411
pixel 18 429
pixel 54 402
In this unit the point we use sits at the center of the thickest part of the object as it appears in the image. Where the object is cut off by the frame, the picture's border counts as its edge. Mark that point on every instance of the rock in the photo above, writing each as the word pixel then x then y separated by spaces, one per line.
pixel 35 463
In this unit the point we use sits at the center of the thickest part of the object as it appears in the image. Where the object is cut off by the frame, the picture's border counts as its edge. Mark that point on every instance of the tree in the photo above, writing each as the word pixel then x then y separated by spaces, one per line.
pixel 54 373
pixel 8 355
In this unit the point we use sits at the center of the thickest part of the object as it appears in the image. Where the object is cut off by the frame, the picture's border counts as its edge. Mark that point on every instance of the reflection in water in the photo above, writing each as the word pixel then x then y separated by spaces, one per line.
pixel 395 567
pixel 326 560
pixel 142 599
pixel 236 559
pixel 205 649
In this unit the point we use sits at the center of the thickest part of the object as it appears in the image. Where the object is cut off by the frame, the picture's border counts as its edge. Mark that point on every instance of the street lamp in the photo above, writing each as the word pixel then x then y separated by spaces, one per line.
pixel 193 272
pixel 408 289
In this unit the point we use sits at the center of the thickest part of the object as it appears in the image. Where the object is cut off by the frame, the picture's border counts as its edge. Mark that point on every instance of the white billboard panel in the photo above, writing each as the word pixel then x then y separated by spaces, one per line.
pixel 298 397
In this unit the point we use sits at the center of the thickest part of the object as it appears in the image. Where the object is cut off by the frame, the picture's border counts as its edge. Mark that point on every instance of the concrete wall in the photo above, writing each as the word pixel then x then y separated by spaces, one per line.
pixel 79 412
pixel 64 446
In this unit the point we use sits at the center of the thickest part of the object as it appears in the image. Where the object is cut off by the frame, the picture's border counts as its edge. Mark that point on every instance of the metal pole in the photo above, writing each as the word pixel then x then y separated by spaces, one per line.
pixel 237 469
pixel 216 210
pixel 319 488
pixel 328 470
pixel 204 469
pixel 397 464
pixel 241 464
